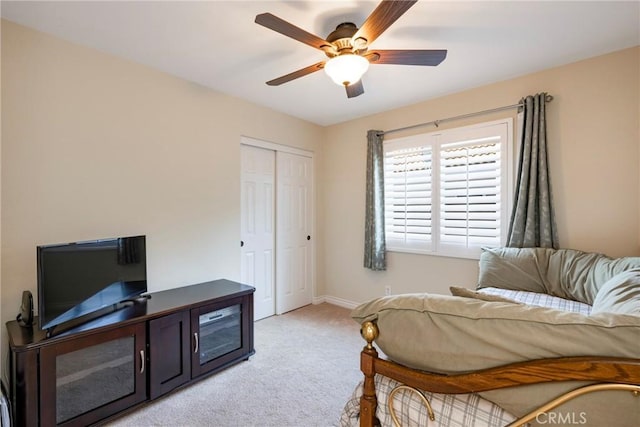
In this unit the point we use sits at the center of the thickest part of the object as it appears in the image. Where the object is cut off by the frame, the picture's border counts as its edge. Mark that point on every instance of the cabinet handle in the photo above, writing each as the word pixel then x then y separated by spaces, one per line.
pixel 195 335
pixel 142 361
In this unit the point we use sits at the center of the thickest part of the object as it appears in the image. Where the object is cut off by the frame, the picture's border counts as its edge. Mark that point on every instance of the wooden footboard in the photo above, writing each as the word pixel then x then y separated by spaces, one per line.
pixel 615 373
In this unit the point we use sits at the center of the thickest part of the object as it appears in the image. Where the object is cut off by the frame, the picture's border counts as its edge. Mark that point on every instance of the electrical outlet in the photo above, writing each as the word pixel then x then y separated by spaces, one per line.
pixel 387 290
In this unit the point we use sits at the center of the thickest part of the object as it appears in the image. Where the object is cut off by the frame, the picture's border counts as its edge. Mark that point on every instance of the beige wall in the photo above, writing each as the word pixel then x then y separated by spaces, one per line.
pixel 94 146
pixel 593 131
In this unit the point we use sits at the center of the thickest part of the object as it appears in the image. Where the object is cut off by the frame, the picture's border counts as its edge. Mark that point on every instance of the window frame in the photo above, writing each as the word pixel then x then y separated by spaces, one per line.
pixel 435 140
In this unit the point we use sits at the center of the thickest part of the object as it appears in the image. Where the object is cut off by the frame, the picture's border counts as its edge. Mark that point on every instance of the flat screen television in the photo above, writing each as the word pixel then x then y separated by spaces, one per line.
pixel 78 279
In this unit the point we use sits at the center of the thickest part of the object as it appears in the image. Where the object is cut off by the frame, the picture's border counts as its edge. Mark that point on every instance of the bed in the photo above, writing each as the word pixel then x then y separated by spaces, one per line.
pixel 548 337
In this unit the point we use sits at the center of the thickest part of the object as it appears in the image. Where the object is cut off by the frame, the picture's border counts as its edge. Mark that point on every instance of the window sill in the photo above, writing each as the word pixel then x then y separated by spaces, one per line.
pixel 472 254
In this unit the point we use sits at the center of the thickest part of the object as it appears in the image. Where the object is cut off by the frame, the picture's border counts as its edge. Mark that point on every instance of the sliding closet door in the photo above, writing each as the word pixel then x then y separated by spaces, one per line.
pixel 276 227
pixel 257 228
pixel 294 242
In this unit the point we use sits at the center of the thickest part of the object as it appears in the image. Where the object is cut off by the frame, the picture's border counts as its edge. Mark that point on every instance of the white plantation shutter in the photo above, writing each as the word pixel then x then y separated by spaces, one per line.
pixel 446 192
pixel 407 190
pixel 470 190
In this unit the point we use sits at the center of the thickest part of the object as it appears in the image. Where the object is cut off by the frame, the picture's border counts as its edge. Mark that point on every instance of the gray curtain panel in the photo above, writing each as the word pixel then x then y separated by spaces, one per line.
pixel 374 242
pixel 532 219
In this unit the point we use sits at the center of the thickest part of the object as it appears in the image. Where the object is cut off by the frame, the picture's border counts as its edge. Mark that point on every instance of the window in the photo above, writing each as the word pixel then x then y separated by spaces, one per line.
pixel 446 192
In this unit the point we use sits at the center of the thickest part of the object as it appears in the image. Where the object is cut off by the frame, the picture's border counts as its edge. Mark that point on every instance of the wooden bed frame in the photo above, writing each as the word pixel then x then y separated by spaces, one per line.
pixel 607 373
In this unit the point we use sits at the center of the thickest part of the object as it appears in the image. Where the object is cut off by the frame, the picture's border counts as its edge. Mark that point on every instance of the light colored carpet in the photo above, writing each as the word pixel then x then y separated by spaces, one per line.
pixel 305 368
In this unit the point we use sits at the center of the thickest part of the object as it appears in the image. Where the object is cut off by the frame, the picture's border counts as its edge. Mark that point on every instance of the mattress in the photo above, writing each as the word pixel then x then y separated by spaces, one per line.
pixel 451 410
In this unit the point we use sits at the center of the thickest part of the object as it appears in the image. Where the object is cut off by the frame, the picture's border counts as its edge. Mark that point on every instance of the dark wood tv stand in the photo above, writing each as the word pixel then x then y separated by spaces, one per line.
pixel 114 363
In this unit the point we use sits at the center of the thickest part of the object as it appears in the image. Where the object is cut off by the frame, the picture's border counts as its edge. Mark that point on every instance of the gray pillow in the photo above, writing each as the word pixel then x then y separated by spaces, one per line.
pixel 564 273
pixel 620 294
pixel 511 268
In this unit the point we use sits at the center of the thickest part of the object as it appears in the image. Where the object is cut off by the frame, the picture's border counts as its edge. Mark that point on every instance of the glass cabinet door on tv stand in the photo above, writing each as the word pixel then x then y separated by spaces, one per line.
pixel 220 334
pixel 92 377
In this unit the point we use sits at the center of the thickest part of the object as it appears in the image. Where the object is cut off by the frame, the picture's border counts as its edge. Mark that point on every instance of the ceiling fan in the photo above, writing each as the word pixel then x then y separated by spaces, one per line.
pixel 348 47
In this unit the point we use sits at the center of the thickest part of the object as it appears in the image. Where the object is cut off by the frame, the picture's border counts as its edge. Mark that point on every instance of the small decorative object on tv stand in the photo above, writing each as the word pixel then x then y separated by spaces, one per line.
pixel 130 356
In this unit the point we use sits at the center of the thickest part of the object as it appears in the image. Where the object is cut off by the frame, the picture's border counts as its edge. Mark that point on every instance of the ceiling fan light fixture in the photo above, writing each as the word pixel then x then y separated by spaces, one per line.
pixel 346 69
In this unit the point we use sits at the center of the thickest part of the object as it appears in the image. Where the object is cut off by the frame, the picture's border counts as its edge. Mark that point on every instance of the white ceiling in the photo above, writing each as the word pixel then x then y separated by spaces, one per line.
pixel 217 44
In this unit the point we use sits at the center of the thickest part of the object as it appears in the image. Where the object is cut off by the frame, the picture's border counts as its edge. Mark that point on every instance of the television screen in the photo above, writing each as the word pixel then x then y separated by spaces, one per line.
pixel 76 279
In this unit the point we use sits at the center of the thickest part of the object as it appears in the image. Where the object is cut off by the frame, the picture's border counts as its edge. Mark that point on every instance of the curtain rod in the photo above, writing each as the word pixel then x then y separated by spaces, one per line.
pixel 547 98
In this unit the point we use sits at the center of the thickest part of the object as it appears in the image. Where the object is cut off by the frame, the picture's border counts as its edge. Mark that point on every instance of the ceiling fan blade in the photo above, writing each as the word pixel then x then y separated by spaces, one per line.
pixel 355 89
pixel 296 74
pixel 381 18
pixel 407 57
pixel 283 27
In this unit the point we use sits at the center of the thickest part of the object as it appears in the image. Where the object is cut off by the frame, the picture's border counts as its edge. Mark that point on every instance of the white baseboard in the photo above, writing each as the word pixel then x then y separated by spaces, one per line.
pixel 335 301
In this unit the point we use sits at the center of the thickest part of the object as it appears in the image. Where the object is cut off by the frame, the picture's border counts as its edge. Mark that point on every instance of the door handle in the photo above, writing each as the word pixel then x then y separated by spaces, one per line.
pixel 308 237
pixel 142 361
pixel 241 243
pixel 195 336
